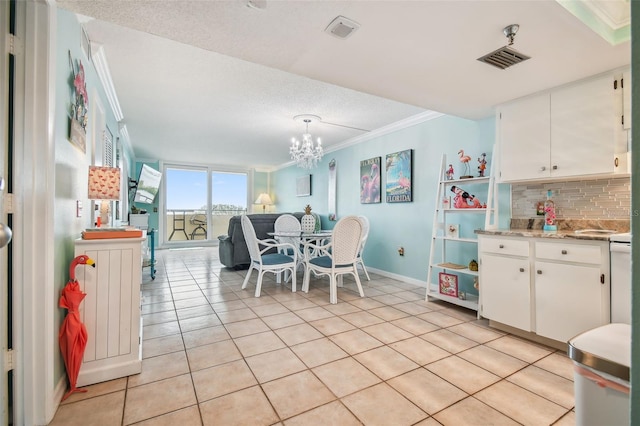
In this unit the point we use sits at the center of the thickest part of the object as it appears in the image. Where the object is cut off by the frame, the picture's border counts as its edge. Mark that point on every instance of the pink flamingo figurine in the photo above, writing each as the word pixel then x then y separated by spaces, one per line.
pixel 464 159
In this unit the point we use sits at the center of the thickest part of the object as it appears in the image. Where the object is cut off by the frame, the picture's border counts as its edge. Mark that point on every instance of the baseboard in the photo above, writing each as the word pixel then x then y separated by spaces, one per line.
pixel 405 279
pixel 58 393
pixel 562 346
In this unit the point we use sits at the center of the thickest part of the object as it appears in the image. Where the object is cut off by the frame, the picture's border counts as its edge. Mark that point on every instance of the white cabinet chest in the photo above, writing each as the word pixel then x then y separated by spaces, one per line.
pixel 111 309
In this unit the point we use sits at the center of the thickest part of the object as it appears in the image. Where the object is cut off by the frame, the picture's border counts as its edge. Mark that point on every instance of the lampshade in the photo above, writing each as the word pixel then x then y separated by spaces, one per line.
pixel 104 183
pixel 264 199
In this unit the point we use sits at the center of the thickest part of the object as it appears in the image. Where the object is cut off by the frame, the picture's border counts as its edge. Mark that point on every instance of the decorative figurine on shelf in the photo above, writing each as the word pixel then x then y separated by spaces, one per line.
pixel 473 265
pixel 463 200
pixel 449 172
pixel 483 164
pixel 476 284
pixel 464 159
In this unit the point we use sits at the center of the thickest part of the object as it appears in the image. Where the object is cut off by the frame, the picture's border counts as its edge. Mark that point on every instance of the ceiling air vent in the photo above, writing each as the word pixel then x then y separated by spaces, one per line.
pixel 505 56
pixel 342 27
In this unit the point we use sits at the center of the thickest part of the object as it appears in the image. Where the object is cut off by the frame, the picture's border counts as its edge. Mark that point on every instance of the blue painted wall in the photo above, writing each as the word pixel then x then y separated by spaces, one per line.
pixel 72 165
pixel 396 224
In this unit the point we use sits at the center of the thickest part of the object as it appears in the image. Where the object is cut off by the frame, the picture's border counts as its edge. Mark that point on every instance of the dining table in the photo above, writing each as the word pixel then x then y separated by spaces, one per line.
pixel 307 239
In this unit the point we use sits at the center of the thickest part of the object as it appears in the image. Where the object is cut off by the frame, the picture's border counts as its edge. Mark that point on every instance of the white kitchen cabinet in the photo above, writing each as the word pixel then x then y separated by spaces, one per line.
pixel 556 288
pixel 572 131
pixel 583 128
pixel 524 130
pixel 505 279
pixel 572 288
pixel 452 249
pixel 111 309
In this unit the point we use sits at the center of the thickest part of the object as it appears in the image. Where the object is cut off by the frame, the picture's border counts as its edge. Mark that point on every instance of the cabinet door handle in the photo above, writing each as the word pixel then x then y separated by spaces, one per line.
pixel 601 278
pixel 555 167
pixel 501 246
pixel 543 168
pixel 563 252
pixel 521 269
pixel 539 272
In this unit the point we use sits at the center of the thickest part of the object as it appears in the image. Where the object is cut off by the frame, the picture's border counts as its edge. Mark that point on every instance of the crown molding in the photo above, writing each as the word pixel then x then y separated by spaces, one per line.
pixel 102 68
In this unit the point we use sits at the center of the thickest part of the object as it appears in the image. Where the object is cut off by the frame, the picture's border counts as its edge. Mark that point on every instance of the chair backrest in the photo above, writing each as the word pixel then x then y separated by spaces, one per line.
pixel 346 240
pixel 250 238
pixel 287 223
pixel 365 230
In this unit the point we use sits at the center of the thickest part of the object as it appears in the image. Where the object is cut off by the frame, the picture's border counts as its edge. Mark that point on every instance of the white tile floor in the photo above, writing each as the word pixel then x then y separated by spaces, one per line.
pixel 215 355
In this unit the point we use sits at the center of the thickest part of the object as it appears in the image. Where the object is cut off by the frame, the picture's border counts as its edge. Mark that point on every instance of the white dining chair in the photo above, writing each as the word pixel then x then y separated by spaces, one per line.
pixel 275 263
pixel 284 225
pixel 365 236
pixel 337 257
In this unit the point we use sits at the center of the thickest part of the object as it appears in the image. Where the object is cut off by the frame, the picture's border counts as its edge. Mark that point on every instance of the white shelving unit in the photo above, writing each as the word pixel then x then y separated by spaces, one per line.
pixel 445 249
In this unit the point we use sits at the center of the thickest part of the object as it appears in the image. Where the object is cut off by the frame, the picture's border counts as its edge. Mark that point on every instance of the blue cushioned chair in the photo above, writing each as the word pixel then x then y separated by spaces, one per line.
pixel 275 263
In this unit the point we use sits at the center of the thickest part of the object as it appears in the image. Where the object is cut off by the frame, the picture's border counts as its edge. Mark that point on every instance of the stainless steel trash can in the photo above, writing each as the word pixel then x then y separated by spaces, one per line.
pixel 601 359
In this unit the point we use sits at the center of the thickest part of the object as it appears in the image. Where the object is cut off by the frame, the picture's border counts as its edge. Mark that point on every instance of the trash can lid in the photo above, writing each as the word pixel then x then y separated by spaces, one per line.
pixel 606 349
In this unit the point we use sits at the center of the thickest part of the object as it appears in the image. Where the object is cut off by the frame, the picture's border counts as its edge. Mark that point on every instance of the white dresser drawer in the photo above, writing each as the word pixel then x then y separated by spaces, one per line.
pixel 505 245
pixel 580 253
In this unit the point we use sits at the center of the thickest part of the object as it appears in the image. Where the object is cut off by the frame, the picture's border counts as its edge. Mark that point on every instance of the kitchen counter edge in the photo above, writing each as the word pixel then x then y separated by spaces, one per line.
pixel 535 233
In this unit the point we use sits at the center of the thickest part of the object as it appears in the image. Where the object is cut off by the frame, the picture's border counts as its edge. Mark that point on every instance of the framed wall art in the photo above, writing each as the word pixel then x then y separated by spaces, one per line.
pixel 303 186
pixel 370 180
pixel 448 284
pixel 399 183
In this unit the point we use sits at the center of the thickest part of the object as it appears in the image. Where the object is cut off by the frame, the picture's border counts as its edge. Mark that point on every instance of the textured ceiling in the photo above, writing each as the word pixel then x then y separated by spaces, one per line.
pixel 201 81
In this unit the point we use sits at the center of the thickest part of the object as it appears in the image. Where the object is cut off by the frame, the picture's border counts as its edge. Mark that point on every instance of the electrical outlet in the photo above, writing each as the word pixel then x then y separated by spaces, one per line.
pixel 78 208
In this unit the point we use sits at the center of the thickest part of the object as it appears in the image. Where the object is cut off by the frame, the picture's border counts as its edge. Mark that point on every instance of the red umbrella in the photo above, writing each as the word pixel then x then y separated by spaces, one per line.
pixel 73 334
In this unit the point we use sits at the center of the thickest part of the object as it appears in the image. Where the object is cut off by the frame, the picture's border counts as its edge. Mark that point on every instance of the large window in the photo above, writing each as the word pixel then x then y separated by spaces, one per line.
pixel 200 201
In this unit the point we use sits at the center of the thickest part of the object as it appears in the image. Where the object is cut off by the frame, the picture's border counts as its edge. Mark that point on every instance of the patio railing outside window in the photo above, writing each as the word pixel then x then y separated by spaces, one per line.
pixel 185 225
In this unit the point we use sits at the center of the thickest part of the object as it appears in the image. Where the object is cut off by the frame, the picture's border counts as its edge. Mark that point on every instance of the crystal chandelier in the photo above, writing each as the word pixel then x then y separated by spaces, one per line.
pixel 305 153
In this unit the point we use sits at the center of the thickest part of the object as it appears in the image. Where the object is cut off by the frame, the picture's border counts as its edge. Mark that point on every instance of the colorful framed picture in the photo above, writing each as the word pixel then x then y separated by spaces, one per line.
pixel 399 176
pixel 370 180
pixel 448 284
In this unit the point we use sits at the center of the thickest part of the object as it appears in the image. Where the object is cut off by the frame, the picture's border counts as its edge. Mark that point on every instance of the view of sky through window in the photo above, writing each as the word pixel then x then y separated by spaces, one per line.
pixel 187 189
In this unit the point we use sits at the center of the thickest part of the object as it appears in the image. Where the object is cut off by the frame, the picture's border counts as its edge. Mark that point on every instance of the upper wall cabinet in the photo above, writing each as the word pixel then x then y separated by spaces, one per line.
pixel 572 131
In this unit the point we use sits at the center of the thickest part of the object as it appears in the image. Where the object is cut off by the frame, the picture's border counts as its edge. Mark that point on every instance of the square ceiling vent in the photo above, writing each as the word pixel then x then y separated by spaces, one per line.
pixel 504 57
pixel 342 27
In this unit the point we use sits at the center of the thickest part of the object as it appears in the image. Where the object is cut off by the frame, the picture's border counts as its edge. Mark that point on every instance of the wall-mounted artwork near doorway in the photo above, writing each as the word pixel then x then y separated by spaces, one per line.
pixel 79 116
pixel 399 176
pixel 370 181
pixel 332 190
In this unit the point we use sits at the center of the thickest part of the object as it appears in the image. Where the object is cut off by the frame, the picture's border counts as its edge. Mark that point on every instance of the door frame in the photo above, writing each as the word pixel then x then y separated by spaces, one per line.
pixel 35 393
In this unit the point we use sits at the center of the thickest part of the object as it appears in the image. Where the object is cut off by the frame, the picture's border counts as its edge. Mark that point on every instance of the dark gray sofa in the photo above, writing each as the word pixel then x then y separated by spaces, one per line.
pixel 232 247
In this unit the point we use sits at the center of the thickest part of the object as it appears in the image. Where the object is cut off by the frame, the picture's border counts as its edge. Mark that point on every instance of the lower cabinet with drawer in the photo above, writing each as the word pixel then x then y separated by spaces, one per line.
pixel 111 310
pixel 505 280
pixel 555 289
pixel 572 287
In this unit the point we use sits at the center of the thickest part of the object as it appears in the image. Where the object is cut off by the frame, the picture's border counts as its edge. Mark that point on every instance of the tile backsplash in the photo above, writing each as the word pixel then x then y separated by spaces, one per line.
pixel 586 199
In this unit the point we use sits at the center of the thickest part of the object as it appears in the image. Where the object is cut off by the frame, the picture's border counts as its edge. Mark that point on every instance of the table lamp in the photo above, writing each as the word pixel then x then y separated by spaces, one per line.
pixel 265 200
pixel 104 185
